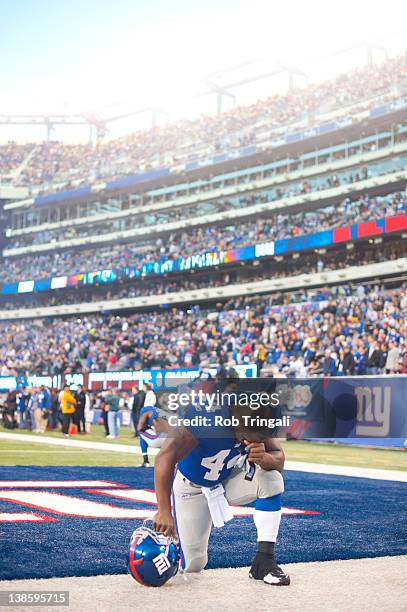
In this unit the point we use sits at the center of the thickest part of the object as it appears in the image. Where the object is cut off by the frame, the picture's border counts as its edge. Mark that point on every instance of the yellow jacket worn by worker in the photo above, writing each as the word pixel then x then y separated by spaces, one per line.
pixel 67 402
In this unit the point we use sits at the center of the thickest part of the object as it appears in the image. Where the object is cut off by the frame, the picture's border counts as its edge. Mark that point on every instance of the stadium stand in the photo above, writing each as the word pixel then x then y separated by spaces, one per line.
pixel 243 126
pixel 283 331
pixel 310 264
pixel 274 233
pixel 203 239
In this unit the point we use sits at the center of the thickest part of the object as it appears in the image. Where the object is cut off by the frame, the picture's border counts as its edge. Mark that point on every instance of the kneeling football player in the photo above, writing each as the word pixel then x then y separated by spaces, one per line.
pixel 152 430
pixel 214 468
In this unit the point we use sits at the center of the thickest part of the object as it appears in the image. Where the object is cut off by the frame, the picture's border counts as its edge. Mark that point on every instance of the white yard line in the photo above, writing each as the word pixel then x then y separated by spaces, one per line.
pixel 300 466
pixel 42 451
pixel 347 470
pixel 104 446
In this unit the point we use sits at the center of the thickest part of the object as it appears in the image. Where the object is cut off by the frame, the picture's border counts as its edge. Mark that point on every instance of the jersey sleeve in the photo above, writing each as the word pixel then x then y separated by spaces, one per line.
pixel 194 420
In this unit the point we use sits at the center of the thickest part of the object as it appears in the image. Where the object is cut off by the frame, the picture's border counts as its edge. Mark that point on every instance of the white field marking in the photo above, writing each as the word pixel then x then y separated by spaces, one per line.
pixel 347 470
pixel 139 495
pixel 22 517
pixel 77 506
pixel 42 451
pixel 300 466
pixel 149 497
pixel 104 446
pixel 55 484
pixel 73 506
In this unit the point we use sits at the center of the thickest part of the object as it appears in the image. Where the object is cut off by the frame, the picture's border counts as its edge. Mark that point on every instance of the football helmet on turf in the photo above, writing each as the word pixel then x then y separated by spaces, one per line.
pixel 153 557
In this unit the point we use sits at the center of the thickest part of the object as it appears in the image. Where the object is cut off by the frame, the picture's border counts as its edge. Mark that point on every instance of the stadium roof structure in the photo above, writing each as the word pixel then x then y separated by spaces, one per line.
pixel 216 81
pixel 221 83
pixel 50 120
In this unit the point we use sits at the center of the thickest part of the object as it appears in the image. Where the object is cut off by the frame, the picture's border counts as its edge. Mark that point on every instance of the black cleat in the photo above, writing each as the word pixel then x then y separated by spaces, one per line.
pixel 266 569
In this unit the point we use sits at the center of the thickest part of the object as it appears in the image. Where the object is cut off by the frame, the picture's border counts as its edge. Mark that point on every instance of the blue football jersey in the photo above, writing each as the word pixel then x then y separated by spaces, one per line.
pixel 216 453
pixel 153 415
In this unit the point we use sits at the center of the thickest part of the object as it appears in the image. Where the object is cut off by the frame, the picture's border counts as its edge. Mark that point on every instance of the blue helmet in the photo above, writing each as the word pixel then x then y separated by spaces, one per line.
pixel 153 557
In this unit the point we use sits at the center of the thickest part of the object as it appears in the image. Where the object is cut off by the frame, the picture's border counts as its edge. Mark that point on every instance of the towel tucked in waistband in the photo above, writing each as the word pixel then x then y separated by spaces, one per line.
pixel 218 505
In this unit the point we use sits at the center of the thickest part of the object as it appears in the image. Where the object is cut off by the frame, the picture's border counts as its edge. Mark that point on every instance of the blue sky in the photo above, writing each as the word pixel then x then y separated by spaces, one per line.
pixel 107 55
pixel 42 39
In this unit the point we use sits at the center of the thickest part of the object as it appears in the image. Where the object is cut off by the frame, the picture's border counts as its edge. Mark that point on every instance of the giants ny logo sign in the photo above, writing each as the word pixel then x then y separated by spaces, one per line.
pixel 39 502
pixel 374 405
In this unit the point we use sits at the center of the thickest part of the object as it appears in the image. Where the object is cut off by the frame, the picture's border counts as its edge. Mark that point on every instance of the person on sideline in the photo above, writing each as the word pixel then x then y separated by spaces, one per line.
pixel 38 419
pixel 100 402
pixel 89 412
pixel 44 403
pixel 22 403
pixel 113 404
pixel 68 409
pixel 54 416
pixel 80 397
pixel 139 396
pixel 150 397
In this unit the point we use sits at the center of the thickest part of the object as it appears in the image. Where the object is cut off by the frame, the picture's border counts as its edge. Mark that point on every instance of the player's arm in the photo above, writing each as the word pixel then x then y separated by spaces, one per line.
pixel 179 443
pixel 161 425
pixel 143 422
pixel 269 455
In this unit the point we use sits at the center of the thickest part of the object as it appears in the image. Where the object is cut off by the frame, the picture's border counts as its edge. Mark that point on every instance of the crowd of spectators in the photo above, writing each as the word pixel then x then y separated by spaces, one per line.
pixel 164 285
pixel 41 409
pixel 11 156
pixel 342 330
pixel 52 163
pixel 67 215
pixel 347 330
pixel 52 237
pixel 202 239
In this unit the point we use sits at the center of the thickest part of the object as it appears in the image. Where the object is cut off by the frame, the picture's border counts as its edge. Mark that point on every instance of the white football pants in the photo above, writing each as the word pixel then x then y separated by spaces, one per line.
pixel 192 516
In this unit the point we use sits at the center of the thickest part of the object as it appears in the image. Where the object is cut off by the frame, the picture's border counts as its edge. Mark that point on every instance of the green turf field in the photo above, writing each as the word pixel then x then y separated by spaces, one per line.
pixel 96 435
pixel 31 453
pixel 22 453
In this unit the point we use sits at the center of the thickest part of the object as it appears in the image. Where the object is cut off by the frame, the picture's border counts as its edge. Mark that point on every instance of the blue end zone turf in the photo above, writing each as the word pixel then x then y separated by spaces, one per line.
pixel 358 518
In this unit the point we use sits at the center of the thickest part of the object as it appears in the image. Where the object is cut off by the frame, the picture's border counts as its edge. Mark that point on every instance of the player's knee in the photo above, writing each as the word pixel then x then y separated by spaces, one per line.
pixel 196 564
pixel 270 483
pixel 155 443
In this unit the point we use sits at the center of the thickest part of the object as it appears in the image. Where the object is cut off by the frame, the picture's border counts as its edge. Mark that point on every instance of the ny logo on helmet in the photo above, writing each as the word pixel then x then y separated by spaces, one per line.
pixel 161 563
